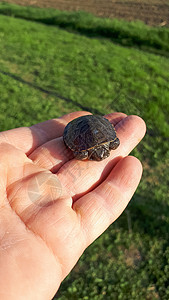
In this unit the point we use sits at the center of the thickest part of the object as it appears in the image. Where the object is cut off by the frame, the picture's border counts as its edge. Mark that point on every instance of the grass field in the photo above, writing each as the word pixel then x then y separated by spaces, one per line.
pixel 55 62
pixel 152 12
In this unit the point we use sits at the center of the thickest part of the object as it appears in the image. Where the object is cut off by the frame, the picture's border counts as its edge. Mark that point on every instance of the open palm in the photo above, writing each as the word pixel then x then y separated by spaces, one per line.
pixel 53 206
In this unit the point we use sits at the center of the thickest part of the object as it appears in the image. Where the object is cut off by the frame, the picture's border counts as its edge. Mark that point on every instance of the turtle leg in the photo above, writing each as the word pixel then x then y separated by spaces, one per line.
pixel 113 145
pixel 82 155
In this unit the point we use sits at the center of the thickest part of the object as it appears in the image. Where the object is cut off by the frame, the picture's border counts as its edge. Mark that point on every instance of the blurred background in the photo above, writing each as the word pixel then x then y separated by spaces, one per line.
pixel 102 56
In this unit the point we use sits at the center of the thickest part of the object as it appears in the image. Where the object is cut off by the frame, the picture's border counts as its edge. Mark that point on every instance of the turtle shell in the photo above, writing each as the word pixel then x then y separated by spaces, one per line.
pixel 87 132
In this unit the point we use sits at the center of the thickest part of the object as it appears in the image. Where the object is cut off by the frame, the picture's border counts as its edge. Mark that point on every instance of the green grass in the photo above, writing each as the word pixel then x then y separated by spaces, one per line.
pixel 46 71
pixel 135 34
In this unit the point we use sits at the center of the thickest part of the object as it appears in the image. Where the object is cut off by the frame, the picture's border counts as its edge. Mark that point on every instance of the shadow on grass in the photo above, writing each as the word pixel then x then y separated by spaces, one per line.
pixel 116 35
pixel 52 93
pixel 148 218
pixel 129 100
pixel 123 33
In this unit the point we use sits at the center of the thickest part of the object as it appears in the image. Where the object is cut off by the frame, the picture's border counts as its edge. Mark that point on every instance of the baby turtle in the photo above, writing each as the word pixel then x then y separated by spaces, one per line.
pixel 90 137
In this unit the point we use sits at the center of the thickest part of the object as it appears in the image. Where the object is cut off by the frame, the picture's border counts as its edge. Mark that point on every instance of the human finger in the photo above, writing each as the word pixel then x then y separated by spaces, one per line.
pixel 28 139
pixel 102 206
pixel 27 187
pixel 53 154
pixel 79 177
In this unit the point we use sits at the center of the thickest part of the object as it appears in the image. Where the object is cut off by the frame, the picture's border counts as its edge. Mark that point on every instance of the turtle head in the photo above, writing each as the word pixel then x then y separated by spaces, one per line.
pixel 99 153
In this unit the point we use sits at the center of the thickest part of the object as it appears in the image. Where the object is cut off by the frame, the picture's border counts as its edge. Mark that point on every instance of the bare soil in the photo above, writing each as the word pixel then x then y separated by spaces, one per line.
pixel 152 12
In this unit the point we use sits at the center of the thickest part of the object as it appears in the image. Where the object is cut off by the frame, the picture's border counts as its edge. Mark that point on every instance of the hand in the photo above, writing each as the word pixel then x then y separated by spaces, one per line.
pixel 53 206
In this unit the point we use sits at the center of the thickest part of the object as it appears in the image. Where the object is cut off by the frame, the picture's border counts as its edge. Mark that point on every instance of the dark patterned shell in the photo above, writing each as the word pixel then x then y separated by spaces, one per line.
pixel 88 132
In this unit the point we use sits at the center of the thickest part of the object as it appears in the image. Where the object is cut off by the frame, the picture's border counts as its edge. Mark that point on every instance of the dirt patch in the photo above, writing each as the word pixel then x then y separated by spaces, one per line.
pixel 132 257
pixel 152 12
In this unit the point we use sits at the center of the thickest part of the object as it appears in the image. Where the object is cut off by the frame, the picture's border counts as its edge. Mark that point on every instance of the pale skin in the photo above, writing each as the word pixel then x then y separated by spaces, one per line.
pixel 52 206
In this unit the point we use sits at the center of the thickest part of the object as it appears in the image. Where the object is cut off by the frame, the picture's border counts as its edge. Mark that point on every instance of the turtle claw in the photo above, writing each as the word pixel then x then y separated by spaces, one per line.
pixel 81 155
pixel 113 145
